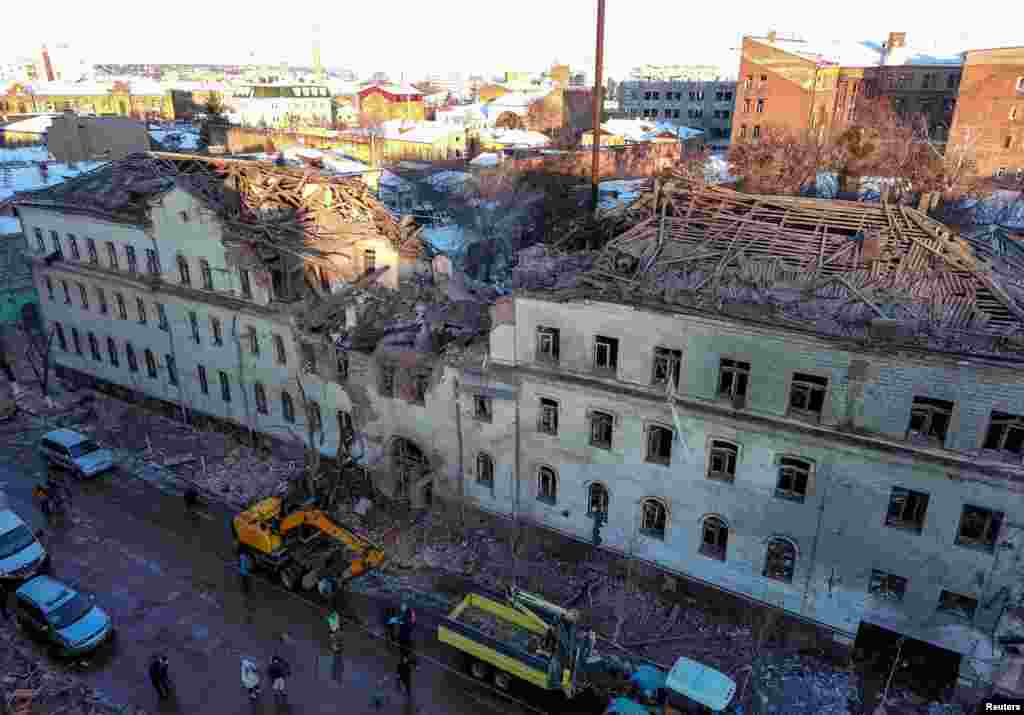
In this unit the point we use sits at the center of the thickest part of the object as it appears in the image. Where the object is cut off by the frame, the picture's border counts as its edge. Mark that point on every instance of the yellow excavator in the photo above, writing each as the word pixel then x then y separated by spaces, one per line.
pixel 302 544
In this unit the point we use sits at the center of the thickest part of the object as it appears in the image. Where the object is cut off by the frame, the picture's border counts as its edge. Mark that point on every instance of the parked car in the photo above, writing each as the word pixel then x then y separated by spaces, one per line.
pixel 76 452
pixel 21 554
pixel 69 621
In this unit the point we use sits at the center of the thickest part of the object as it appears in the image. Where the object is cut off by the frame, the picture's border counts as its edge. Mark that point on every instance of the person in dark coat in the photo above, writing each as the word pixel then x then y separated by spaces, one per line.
pixel 244 569
pixel 157 675
pixel 405 668
pixel 277 671
pixel 406 621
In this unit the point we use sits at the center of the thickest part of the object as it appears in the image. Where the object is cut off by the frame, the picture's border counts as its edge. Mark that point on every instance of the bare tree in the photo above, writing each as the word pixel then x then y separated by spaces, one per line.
pixel 780 160
pixel 37 352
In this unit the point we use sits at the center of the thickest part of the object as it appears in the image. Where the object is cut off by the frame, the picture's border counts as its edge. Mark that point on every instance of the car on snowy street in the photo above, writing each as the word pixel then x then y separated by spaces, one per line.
pixel 70 622
pixel 21 554
pixel 76 452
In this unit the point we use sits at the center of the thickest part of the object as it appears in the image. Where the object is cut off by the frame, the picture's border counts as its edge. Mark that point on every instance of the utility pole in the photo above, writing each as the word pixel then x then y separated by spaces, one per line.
pixel 598 106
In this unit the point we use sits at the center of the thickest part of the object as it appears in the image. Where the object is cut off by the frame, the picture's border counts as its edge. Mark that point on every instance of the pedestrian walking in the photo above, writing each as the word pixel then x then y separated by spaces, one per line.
pixel 165 674
pixel 405 668
pixel 156 676
pixel 251 678
pixel 244 568
pixel 277 672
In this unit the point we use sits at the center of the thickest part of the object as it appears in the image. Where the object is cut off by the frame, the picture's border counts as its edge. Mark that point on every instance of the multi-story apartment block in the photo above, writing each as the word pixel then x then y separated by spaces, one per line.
pixel 273 105
pixel 676 73
pixel 989 118
pixel 700 104
pixel 791 83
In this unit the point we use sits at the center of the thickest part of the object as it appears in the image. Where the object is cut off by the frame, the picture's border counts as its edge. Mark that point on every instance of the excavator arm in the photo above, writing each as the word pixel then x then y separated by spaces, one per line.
pixel 368 555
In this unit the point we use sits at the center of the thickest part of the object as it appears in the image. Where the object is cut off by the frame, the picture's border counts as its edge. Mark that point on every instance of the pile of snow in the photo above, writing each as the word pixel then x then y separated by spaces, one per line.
pixel 486 159
pixel 25 153
pixel 450 181
pixel 451 239
pixel 176 139
pixel 515 138
pixel 640 130
pixel 32 125
pixel 28 178
pixel 621 192
pixel 799 686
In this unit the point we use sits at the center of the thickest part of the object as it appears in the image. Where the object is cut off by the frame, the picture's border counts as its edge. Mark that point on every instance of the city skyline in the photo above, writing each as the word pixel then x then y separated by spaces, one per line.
pixel 527 38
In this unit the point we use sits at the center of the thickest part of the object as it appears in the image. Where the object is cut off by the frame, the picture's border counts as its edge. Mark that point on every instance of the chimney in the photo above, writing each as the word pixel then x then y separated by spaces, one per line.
pixel 896 40
pixel 771 36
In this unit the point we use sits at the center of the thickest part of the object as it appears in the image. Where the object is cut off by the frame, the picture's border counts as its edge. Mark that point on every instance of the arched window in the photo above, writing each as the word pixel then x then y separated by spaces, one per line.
pixel 714 540
pixel 597 499
pixel 484 470
pixel 653 518
pixel 547 485
pixel 409 465
pixel 780 559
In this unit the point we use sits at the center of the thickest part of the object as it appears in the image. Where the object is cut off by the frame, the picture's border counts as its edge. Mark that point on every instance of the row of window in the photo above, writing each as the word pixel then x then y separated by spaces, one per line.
pixel 758 106
pixel 754 134
pixel 113 261
pixel 223 378
pixel 929 417
pixel 721 95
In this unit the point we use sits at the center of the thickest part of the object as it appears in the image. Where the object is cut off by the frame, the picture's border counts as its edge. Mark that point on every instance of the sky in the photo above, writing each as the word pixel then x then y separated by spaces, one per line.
pixel 481 36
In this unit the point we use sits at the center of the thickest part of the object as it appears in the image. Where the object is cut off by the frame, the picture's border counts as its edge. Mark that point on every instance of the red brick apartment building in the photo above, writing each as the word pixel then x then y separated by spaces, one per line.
pixel 974 97
pixel 989 116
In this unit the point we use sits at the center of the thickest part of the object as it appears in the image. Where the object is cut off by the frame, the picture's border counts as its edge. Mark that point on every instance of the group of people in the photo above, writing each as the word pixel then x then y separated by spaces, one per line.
pixel 278 671
pixel 54 497
pixel 400 628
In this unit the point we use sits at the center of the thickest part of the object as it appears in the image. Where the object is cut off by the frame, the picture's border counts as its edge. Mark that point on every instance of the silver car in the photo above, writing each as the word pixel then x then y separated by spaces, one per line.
pixel 21 554
pixel 76 452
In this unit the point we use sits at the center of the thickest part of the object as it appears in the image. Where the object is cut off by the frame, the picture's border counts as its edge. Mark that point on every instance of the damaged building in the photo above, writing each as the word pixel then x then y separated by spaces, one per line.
pixel 814 404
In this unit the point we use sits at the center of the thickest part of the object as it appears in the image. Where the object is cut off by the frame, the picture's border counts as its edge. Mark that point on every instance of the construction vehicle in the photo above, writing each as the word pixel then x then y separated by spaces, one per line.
pixel 302 544
pixel 529 640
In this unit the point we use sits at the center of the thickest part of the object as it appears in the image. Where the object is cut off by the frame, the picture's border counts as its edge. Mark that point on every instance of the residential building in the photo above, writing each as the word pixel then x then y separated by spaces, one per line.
pixel 138 99
pixel 701 104
pixel 280 105
pixel 988 122
pixel 72 138
pixel 677 73
pixel 379 103
pixel 423 140
pixel 620 132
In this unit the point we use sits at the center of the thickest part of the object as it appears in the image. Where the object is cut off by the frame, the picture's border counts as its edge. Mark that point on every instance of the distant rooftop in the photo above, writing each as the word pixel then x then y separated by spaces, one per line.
pixel 866 53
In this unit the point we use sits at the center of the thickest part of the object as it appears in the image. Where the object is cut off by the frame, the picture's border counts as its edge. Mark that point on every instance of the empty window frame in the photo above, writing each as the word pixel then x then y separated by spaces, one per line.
pixel 287 408
pixel 979 527
pixel 601 426
pixel 184 273
pixel 225 386
pixel 94 347
pixel 733 380
pixel 483 408
pixel 606 353
pixel 206 275
pixel 73 244
pixel 386 384
pixel 150 363
pixel 216 334
pixel 341 363
pixel 956 604
pixel 760 106
pixel 659 445
pixel 484 470
pixel 172 369
pixel 67 292
pixel 547 344
pixel 129 352
pixel 346 430
pixel 76 340
pixel 547 485
pixel 780 560
pixel 193 321
pixel 907 509
pixel 369 260
pixel 254 341
pixel 807 395
pixel 90 245
pixel 886 586
pixel 140 305
pixel 84 294
pixel 309 363
pixel 204 381
pixel 1006 434
pixel 547 420
pixel 101 300
pixel 40 242
pixel 57 248
pixel 112 352
pixel 714 540
pixel 667 364
pixel 133 262
pixel 245 283
pixel 929 420
pixel 420 386
pixel 49 286
pixel 794 476
pixel 112 256
pixel 152 262
pixel 161 317
pixel 653 518
pixel 62 340
pixel 722 458
pixel 316 422
pixel 756 134
pixel 279 351
pixel 597 499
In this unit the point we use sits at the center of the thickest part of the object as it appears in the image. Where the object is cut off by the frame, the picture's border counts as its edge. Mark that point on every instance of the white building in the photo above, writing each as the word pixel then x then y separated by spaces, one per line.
pixel 279 105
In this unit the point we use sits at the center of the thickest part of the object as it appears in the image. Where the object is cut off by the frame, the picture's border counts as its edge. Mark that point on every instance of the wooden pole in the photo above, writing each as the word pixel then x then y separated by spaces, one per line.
pixel 598 106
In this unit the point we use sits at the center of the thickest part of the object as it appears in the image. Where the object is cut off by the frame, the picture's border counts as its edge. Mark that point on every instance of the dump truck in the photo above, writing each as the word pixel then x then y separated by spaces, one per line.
pixel 301 544
pixel 524 639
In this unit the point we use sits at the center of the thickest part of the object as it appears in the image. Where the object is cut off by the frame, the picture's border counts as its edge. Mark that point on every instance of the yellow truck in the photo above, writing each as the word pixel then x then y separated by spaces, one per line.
pixel 526 639
pixel 302 545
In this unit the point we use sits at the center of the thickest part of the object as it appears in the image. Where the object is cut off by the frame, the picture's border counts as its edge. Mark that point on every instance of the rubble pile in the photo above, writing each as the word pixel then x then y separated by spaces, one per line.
pixel 797 685
pixel 30 678
pixel 542 268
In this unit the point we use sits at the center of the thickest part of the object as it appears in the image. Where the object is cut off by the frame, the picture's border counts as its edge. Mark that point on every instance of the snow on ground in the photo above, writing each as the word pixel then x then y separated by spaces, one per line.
pixel 451 239
pixel 621 192
pixel 450 181
pixel 33 125
pixel 486 159
pixel 717 170
pixel 27 178
pixel 176 139
pixel 24 153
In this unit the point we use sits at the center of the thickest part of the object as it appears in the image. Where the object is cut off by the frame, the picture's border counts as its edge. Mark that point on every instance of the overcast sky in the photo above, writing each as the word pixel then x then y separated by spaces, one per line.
pixel 419 36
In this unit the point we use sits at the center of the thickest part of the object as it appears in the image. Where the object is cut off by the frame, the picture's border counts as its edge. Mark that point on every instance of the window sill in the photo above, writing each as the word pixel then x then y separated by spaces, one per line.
pixel 981 548
pixel 796 498
pixel 712 554
pixel 911 528
pixel 804 415
pixel 486 419
pixel 651 534
pixel 605 447
pixel 547 433
pixel 659 462
pixel 547 360
pixel 605 372
pixel 485 484
pixel 724 478
pixel 550 501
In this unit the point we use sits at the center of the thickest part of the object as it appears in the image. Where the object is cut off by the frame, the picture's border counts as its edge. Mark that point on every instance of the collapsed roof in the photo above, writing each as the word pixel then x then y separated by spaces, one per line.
pixel 267 208
pixel 870 272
